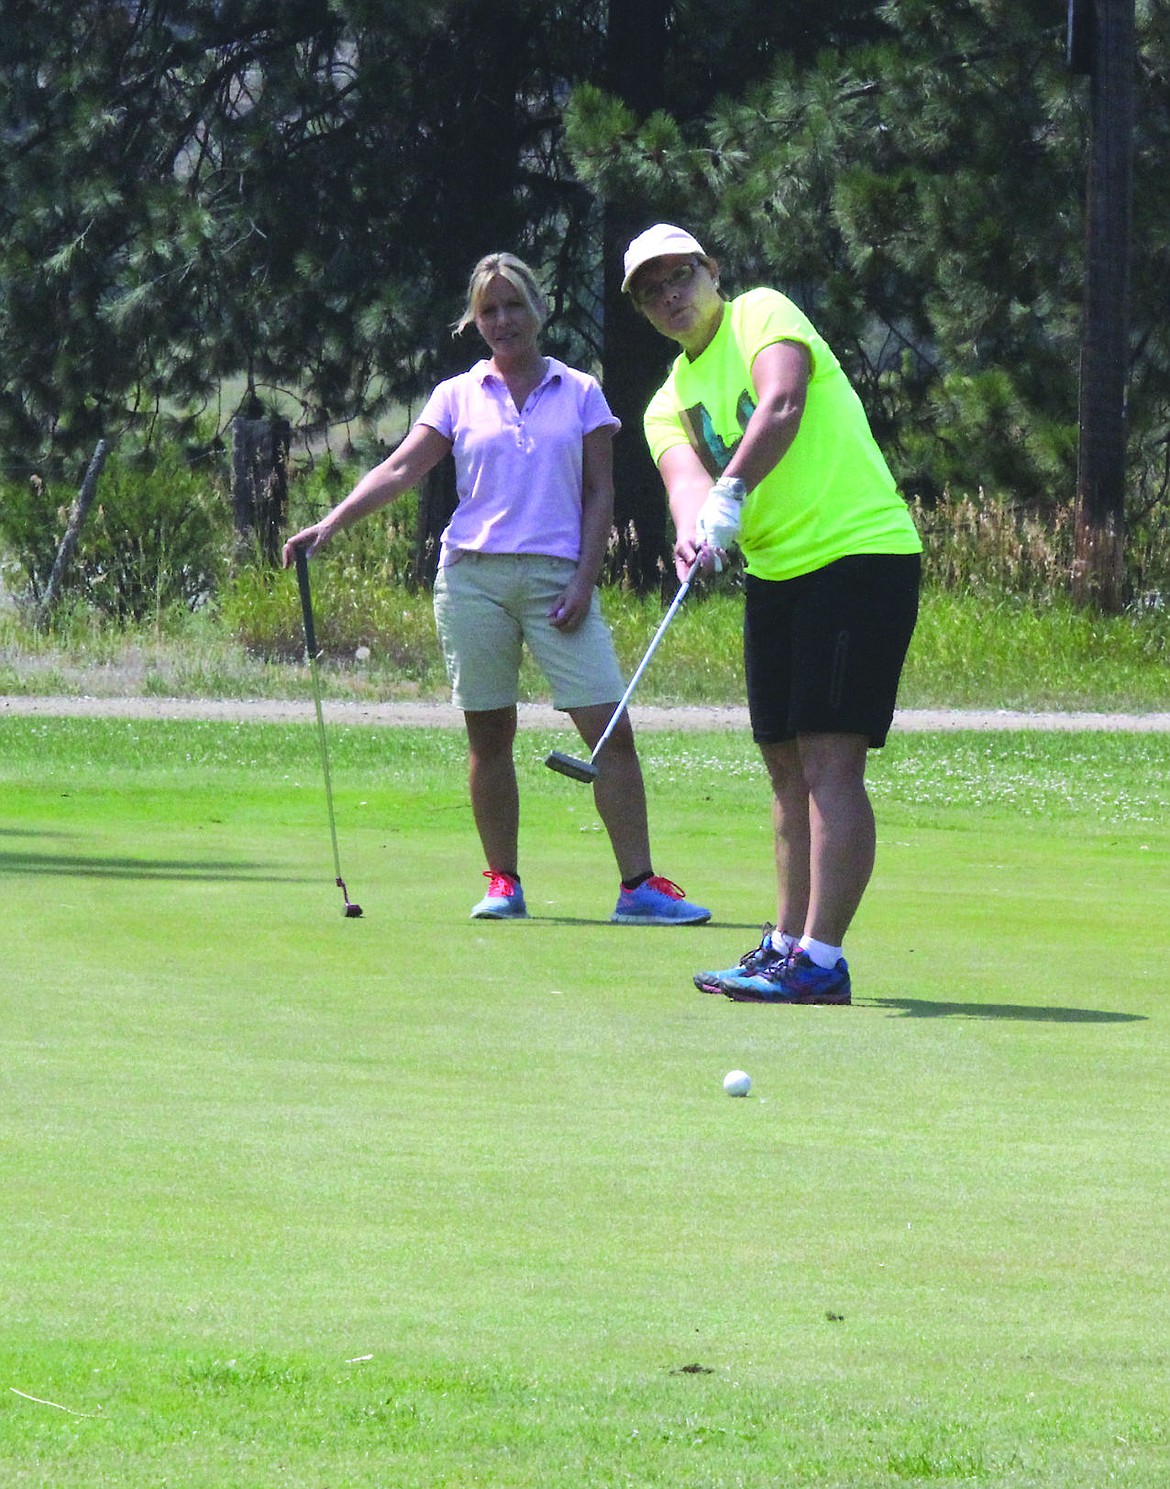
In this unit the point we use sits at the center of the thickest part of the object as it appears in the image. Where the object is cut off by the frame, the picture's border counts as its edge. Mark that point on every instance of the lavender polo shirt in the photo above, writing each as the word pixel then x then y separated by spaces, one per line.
pixel 518 472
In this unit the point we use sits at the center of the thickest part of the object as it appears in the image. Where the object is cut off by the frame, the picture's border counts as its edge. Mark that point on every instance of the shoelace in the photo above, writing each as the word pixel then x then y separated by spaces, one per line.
pixel 764 953
pixel 665 886
pixel 499 884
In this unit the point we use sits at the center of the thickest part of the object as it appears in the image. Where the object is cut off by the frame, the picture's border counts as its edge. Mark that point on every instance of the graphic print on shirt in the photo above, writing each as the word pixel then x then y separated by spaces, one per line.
pixel 705 440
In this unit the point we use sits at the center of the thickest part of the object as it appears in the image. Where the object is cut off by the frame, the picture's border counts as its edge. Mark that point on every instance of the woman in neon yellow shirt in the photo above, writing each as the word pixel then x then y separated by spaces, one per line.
pixel 761 441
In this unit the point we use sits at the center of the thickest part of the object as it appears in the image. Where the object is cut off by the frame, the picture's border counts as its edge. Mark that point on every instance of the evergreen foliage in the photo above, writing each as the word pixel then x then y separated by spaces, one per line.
pixel 290 194
pixel 287 197
pixel 921 196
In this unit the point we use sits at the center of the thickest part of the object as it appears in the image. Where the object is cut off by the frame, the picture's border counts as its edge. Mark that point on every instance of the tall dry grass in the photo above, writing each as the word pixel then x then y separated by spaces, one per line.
pixel 991 545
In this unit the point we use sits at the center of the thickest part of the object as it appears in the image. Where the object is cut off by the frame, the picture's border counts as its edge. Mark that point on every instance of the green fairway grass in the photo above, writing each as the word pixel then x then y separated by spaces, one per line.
pixel 290 1199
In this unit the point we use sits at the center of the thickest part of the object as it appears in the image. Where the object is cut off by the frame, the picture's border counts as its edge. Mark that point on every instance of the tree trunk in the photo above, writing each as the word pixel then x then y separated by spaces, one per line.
pixel 437 499
pixel 635 358
pixel 260 449
pixel 1099 569
pixel 72 531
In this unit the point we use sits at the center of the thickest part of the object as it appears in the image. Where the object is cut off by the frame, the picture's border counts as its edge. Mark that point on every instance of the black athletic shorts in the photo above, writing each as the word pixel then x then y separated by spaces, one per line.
pixel 823 652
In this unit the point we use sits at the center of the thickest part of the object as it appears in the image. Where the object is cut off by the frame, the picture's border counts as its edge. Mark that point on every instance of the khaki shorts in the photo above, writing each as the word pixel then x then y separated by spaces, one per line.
pixel 488 604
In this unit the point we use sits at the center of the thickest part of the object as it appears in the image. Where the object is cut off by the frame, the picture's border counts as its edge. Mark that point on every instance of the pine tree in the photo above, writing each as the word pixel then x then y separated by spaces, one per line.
pixel 290 193
pixel 922 196
pixel 666 64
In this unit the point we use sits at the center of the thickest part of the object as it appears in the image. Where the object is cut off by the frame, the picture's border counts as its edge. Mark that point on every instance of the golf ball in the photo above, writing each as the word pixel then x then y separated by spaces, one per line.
pixel 737 1083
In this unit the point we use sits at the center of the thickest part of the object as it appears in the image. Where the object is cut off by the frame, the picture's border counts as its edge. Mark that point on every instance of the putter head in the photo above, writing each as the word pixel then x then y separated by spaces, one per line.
pixel 351 911
pixel 566 765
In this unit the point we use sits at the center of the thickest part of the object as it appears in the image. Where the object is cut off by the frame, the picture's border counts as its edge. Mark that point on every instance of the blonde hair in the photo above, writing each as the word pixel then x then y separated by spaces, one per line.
pixel 519 276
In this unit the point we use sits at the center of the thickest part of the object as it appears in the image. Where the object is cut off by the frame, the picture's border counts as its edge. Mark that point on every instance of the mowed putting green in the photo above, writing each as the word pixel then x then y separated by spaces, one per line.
pixel 290 1199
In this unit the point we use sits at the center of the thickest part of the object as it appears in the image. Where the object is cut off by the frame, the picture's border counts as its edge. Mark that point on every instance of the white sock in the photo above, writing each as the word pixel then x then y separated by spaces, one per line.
pixel 781 941
pixel 820 953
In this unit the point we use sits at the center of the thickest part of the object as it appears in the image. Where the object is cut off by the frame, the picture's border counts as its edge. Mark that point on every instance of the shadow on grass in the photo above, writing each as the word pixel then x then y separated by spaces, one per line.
pixel 920 1008
pixel 181 869
pixel 548 917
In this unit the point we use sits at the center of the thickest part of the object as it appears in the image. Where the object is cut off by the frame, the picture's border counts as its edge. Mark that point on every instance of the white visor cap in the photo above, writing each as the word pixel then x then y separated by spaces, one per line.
pixel 655 243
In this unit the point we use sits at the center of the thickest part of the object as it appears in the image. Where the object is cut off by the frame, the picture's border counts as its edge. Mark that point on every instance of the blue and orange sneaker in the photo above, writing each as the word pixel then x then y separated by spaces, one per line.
pixel 504 899
pixel 657 901
pixel 761 956
pixel 797 980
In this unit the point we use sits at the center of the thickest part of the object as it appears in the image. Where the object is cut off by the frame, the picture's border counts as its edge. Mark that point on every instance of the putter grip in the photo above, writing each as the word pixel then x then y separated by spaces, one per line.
pixel 306 603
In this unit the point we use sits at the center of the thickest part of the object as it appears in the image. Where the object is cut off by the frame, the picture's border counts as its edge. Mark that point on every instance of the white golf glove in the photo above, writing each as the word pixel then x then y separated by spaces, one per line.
pixel 719 517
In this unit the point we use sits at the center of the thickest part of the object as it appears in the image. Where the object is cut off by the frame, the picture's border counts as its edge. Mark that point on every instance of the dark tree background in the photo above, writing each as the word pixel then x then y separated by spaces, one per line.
pixel 289 196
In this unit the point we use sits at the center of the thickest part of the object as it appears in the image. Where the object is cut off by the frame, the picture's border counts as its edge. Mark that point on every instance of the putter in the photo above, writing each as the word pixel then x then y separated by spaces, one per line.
pixel 352 911
pixel 586 770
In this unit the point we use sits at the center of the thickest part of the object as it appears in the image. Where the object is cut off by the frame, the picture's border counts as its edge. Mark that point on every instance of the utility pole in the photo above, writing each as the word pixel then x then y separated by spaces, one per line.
pixel 1101 42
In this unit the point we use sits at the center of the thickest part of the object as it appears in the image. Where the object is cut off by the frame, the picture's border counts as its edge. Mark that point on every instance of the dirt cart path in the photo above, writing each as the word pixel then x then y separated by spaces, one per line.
pixel 412 714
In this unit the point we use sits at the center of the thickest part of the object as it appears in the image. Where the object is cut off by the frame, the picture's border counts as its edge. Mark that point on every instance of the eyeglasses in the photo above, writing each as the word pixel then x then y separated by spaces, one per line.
pixel 646 294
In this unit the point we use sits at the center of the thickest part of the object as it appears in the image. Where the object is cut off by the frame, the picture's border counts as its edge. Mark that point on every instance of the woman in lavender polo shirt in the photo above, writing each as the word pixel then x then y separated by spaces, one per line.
pixel 532 444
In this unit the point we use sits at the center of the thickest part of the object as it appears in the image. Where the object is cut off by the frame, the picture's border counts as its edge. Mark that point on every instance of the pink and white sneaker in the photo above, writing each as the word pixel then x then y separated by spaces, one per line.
pixel 504 899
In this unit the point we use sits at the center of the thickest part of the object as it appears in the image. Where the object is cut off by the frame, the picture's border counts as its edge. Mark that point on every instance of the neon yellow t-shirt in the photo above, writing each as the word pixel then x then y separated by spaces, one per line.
pixel 832 494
